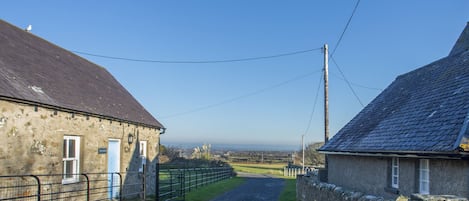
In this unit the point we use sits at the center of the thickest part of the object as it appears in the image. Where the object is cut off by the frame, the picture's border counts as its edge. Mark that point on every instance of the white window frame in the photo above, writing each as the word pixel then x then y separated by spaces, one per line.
pixel 143 149
pixel 143 154
pixel 75 160
pixel 424 176
pixel 395 172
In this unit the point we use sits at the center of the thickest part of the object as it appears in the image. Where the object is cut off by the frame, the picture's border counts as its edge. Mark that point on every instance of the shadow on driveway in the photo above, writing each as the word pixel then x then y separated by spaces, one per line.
pixel 257 187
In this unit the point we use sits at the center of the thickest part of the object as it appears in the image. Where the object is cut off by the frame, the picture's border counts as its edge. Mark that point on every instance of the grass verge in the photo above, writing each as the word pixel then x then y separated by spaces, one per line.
pixel 211 191
pixel 289 191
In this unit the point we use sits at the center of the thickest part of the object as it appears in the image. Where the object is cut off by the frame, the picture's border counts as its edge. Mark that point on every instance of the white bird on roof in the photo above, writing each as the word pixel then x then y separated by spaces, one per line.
pixel 29 28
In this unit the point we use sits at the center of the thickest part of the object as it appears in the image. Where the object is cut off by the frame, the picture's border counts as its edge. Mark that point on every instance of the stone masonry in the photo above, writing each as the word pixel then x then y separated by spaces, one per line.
pixel 309 188
pixel 32 141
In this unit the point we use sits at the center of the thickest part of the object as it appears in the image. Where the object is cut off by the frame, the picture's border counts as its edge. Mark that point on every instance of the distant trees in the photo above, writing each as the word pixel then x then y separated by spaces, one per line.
pixel 169 153
pixel 173 157
pixel 312 157
pixel 202 152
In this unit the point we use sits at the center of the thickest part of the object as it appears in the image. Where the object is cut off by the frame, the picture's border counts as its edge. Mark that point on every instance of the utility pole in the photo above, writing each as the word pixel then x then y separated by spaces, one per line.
pixel 326 97
pixel 303 148
pixel 326 94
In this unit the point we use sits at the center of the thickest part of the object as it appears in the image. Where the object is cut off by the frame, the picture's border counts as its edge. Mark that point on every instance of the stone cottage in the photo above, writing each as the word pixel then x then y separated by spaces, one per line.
pixel 413 137
pixel 61 114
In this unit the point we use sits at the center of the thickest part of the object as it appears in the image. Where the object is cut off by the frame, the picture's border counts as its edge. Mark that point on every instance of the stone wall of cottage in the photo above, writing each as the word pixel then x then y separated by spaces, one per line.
pixel 308 187
pixel 32 141
pixel 364 174
pixel 372 175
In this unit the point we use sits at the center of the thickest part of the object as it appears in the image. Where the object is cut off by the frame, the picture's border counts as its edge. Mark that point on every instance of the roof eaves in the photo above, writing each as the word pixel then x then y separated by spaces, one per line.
pixel 28 102
pixel 405 154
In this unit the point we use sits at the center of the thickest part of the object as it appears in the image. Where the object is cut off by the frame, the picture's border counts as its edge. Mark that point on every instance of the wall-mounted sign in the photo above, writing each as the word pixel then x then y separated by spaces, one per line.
pixel 102 150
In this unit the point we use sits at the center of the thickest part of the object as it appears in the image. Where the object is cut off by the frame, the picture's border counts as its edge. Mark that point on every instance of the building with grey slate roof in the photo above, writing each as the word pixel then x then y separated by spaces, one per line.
pixel 413 137
pixel 62 114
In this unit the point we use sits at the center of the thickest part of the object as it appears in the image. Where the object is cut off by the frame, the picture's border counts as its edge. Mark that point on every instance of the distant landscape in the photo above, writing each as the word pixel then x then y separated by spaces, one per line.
pixel 238 147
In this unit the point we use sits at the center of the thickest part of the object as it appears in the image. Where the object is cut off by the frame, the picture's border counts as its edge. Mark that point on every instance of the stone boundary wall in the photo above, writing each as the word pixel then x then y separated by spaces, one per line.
pixel 308 188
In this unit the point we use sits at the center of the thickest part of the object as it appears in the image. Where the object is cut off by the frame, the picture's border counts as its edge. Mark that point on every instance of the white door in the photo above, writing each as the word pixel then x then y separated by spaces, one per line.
pixel 113 166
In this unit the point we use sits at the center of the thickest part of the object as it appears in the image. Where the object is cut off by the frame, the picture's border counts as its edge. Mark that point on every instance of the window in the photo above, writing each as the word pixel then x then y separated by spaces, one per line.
pixel 143 149
pixel 143 154
pixel 395 173
pixel 424 176
pixel 71 159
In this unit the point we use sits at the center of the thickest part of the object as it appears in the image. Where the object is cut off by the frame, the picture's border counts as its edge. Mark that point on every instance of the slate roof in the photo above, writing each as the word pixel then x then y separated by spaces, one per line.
pixel 423 111
pixel 37 71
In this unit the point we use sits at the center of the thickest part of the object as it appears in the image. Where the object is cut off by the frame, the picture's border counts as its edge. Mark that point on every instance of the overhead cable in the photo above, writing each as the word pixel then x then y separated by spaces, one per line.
pixel 230 100
pixel 348 82
pixel 337 45
pixel 199 61
pixel 345 28
pixel 314 105
pixel 355 84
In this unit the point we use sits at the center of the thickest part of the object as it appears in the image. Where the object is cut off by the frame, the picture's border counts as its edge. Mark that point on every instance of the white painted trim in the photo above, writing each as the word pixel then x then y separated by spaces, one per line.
pixel 144 151
pixel 75 160
pixel 424 176
pixel 395 172
pixel 143 154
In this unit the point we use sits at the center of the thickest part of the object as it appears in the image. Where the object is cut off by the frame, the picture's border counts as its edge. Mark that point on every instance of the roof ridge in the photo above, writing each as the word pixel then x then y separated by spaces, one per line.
pixel 462 44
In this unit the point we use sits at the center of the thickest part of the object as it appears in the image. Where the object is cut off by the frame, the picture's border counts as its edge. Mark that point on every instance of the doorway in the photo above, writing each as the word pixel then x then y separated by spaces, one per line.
pixel 113 167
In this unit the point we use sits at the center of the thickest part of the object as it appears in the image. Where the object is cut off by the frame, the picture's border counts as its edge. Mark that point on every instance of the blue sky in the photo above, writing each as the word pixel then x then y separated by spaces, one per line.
pixel 252 101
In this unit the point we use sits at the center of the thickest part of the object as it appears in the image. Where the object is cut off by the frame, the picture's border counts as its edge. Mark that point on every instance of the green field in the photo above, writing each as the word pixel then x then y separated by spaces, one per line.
pixel 211 191
pixel 275 169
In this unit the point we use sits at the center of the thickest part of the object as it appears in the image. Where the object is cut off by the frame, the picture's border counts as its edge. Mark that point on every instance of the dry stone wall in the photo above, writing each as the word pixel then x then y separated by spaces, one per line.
pixel 308 188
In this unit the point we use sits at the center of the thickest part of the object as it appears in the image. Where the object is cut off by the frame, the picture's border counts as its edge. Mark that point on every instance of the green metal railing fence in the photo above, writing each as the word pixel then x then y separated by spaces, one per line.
pixel 169 184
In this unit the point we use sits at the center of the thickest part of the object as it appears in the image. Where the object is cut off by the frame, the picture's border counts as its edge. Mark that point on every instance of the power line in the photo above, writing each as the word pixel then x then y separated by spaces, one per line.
pixel 198 61
pixel 345 28
pixel 314 105
pixel 337 45
pixel 355 84
pixel 348 82
pixel 242 96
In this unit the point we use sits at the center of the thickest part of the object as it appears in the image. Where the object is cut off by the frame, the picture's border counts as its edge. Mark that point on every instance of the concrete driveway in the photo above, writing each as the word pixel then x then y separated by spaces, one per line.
pixel 255 188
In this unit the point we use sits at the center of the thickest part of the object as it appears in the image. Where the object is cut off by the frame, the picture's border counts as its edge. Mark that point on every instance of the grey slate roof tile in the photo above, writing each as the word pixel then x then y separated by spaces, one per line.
pixel 423 110
pixel 35 70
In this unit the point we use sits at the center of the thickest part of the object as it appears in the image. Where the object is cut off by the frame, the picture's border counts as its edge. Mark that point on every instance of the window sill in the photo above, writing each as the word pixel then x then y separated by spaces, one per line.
pixel 391 190
pixel 70 181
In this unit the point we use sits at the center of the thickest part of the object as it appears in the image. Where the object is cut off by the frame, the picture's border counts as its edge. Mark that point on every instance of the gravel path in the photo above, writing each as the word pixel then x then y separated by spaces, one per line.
pixel 256 188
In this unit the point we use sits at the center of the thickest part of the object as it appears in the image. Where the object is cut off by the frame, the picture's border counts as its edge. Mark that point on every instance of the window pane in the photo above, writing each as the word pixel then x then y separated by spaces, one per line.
pixel 424 164
pixel 425 175
pixel 425 187
pixel 68 169
pixel 71 148
pixel 65 149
